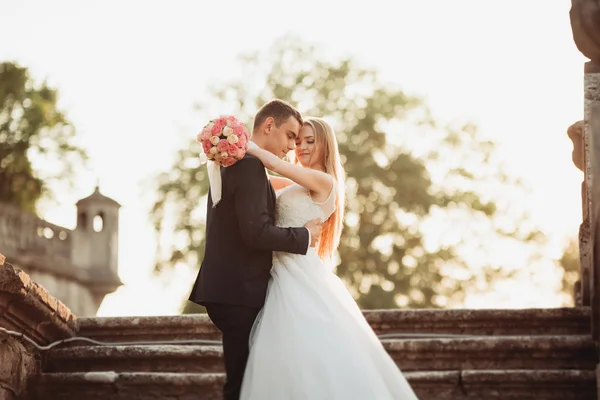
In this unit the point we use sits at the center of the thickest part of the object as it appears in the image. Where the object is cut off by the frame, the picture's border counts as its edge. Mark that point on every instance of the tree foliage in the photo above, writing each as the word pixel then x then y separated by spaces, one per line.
pixel 405 177
pixel 32 129
pixel 571 269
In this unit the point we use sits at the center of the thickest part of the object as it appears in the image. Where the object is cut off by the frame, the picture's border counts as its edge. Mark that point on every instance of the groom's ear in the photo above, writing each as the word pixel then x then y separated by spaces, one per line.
pixel 269 123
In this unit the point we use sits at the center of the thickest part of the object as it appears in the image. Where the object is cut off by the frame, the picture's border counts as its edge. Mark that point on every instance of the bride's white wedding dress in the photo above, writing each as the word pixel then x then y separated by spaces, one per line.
pixel 311 341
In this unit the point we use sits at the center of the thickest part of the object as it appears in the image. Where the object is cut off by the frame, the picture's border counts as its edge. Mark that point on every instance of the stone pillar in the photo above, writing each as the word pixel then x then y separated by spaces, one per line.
pixel 581 291
pixel 592 147
pixel 592 137
pixel 585 26
pixel 26 307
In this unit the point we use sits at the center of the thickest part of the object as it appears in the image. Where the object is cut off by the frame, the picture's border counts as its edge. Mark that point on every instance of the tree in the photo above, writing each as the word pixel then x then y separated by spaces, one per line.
pixel 404 173
pixel 32 129
pixel 571 269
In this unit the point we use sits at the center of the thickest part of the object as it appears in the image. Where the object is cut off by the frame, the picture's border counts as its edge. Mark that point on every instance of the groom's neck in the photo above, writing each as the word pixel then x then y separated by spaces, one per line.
pixel 258 139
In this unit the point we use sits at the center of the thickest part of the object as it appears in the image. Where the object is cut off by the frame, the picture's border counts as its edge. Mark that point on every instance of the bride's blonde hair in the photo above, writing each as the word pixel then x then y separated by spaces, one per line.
pixel 332 228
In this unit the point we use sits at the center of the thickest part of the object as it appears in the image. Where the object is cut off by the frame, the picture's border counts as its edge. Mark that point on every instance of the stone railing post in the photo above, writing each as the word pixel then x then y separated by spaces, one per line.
pixel 592 144
pixel 27 308
pixel 581 291
pixel 585 26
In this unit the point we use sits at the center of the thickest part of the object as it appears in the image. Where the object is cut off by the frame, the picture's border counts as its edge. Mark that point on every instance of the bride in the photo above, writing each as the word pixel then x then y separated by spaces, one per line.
pixel 310 340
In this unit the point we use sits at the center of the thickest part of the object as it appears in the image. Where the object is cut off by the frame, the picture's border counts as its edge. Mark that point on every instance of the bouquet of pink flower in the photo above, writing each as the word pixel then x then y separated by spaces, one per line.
pixel 224 140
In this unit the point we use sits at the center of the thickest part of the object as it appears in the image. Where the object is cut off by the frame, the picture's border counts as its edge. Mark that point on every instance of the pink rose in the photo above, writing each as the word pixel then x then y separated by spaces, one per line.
pixel 218 127
pixel 228 162
pixel 242 141
pixel 239 129
pixel 232 150
pixel 223 145
pixel 241 152
pixel 231 121
pixel 206 145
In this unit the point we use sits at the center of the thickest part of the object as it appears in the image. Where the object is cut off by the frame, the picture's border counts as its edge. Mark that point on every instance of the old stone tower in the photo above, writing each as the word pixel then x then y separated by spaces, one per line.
pixel 79 267
pixel 96 243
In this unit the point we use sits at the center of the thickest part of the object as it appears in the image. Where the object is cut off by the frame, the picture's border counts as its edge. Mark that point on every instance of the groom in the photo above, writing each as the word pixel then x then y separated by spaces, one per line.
pixel 240 238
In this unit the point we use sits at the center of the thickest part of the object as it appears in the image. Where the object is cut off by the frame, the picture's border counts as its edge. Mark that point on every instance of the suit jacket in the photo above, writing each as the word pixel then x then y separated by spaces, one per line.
pixel 240 239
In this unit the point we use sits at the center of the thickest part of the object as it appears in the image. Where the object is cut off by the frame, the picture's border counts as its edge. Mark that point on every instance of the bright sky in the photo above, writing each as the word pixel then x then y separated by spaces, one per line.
pixel 130 72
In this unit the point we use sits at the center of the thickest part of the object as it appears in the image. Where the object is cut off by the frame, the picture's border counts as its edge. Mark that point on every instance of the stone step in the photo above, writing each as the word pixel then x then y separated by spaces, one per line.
pixel 442 385
pixel 551 321
pixel 502 352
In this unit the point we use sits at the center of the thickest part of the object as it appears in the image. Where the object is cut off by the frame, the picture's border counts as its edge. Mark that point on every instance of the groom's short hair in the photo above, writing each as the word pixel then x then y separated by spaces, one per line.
pixel 279 110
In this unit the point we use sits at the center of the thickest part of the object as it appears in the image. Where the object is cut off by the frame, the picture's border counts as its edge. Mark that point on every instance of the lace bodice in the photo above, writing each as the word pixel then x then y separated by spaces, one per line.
pixel 295 207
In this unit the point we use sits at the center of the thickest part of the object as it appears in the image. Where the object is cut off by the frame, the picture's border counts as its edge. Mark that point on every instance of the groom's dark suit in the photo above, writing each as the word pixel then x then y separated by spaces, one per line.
pixel 233 277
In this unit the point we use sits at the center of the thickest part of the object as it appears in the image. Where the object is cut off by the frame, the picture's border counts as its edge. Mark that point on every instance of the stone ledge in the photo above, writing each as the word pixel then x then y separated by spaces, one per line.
pixel 521 352
pixel 505 352
pixel 540 384
pixel 129 386
pixel 532 321
pixel 527 377
pixel 429 385
pixel 484 343
pixel 28 308
pixel 125 329
pixel 206 359
pixel 558 321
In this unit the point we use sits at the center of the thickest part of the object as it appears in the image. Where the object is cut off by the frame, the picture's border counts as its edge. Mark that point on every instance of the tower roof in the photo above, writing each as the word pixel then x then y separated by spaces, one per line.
pixel 97 198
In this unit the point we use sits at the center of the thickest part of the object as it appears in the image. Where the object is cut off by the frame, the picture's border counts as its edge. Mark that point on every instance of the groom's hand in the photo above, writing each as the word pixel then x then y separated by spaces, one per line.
pixel 314 227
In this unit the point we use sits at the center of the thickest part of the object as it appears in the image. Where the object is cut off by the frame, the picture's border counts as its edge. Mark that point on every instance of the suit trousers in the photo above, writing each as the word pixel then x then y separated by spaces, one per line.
pixel 235 323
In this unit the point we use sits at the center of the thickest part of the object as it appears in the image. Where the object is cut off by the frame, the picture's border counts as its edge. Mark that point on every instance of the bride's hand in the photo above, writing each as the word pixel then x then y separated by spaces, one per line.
pixel 268 159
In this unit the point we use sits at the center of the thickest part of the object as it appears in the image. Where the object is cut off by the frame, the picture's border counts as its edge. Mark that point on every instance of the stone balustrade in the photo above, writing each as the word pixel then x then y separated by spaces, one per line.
pixel 23 233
